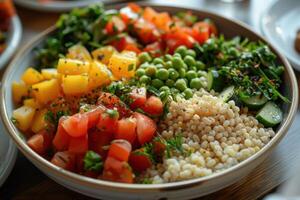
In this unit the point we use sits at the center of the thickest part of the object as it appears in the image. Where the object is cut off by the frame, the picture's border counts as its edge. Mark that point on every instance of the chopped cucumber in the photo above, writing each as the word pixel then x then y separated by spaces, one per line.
pixel 227 93
pixel 270 115
pixel 214 81
pixel 254 102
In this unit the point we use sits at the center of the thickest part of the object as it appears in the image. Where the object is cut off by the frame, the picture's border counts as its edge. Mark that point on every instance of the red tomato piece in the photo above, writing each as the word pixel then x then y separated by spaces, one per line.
pixel 132 47
pixel 139 161
pixel 98 141
pixel 76 125
pixel 126 129
pixel 107 122
pixel 40 142
pixel 159 148
pixel 176 38
pixel 162 21
pixel 138 97
pixel 120 150
pixel 153 106
pixel 201 32
pixel 7 9
pixel 155 49
pixel 145 128
pixel 117 171
pixel 64 159
pixel 78 145
pixel 149 14
pixel 62 138
pixel 125 18
pixel 146 31
pixel 94 115
pixel 115 25
pixel 134 7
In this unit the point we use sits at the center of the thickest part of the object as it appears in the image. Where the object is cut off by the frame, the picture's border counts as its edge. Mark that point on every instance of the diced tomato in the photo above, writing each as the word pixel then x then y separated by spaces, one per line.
pixel 78 145
pixel 40 142
pixel 125 18
pixel 139 161
pixel 162 21
pixel 126 129
pixel 155 49
pixel 62 138
pixel 115 25
pixel 98 141
pixel 149 14
pixel 107 122
pixel 120 150
pixel 145 128
pixel 76 125
pixel 201 32
pixel 64 159
pixel 117 171
pixel 79 163
pixel 153 106
pixel 159 148
pixel 134 7
pixel 122 42
pixel 138 97
pixel 146 31
pixel 94 115
pixel 132 47
pixel 176 38
pixel 7 9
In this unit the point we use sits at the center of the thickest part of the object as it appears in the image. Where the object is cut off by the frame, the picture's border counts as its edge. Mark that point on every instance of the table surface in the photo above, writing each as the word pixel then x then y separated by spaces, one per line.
pixel 27 182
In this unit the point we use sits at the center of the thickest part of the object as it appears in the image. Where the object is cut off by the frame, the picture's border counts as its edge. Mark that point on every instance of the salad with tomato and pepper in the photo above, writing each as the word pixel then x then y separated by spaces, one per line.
pixel 105 79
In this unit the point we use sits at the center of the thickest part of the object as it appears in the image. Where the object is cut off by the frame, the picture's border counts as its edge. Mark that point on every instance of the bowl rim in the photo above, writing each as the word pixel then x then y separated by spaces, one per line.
pixel 13 41
pixel 96 183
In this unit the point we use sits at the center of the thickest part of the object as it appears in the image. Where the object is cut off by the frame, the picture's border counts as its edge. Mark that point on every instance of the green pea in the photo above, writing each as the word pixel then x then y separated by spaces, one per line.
pixel 202 73
pixel 182 50
pixel 162 74
pixel 193 68
pixel 196 83
pixel 168 57
pixel 189 60
pixel 200 65
pixel 177 55
pixel 157 83
pixel 168 64
pixel 188 93
pixel 174 90
pixel 180 84
pixel 144 65
pixel 191 52
pixel 150 70
pixel 170 83
pixel 164 88
pixel 173 74
pixel 158 61
pixel 182 72
pixel 145 79
pixel 177 63
pixel 191 74
pixel 159 66
pixel 140 72
pixel 144 57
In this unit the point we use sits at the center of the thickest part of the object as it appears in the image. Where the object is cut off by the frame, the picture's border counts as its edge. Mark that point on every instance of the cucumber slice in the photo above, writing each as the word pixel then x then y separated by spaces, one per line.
pixel 227 93
pixel 214 81
pixel 255 102
pixel 270 115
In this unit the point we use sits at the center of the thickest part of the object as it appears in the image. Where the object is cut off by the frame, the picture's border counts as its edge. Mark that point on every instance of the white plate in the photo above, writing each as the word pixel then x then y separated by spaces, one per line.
pixel 60 6
pixel 8 154
pixel 279 24
pixel 14 38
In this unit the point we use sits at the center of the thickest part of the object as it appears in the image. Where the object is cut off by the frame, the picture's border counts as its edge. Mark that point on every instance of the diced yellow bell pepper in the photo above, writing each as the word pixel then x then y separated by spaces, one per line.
pixel 32 76
pixel 33 103
pixel 72 67
pixel 39 121
pixel 79 52
pixel 49 73
pixel 19 91
pixel 75 84
pixel 98 75
pixel 46 91
pixel 123 65
pixel 103 54
pixel 23 117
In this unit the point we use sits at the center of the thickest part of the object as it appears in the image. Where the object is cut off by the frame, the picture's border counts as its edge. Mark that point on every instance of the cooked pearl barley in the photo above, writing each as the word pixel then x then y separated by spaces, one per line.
pixel 218 135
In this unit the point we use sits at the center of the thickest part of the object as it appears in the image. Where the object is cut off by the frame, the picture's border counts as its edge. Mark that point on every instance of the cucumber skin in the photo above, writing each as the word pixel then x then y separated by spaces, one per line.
pixel 253 106
pixel 264 121
pixel 217 82
pixel 224 94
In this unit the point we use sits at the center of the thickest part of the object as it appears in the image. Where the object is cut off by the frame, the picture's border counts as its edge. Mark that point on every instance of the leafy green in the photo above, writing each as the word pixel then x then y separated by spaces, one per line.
pixel 92 161
pixel 53 117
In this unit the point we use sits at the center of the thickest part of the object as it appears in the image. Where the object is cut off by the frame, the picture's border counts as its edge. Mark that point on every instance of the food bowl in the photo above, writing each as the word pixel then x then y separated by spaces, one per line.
pixel 177 190
pixel 14 38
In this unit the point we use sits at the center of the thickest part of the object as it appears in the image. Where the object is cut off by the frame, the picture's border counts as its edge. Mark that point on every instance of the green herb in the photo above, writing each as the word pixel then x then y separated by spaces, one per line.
pixel 14 121
pixel 112 113
pixel 130 67
pixel 146 181
pixel 53 118
pixel 92 161
pixel 153 90
pixel 187 17
pixel 174 144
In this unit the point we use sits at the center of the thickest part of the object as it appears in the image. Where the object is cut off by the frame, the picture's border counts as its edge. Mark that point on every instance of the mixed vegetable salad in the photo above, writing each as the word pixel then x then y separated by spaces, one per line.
pixel 105 80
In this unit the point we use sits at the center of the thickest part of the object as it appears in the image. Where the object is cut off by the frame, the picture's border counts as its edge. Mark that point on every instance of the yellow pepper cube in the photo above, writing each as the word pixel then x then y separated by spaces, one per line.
pixel 23 117
pixel 19 91
pixel 98 75
pixel 50 73
pixel 103 54
pixel 39 121
pixel 72 67
pixel 122 65
pixel 32 76
pixel 79 52
pixel 33 103
pixel 46 90
pixel 75 84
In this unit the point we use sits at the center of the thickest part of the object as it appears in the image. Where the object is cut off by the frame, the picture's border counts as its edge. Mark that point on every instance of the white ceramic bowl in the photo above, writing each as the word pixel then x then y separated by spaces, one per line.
pixel 178 190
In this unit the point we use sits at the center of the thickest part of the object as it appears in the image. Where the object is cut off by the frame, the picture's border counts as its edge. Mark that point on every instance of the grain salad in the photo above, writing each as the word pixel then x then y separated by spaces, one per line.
pixel 146 97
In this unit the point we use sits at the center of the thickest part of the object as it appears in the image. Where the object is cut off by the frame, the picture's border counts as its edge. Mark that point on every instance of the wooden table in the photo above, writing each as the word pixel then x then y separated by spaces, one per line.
pixel 27 182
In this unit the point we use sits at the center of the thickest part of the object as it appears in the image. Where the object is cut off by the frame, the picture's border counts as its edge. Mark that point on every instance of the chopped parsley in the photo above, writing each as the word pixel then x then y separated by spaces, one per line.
pixel 92 161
